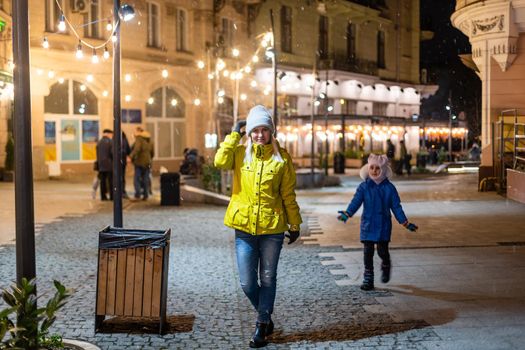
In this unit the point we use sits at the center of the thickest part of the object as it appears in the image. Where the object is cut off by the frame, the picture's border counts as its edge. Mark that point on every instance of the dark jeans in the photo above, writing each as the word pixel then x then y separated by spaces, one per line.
pixel 141 181
pixel 106 184
pixel 257 259
pixel 382 251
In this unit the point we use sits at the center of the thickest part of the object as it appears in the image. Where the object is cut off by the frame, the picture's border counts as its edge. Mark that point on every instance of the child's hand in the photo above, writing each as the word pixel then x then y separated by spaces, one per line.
pixel 343 216
pixel 411 227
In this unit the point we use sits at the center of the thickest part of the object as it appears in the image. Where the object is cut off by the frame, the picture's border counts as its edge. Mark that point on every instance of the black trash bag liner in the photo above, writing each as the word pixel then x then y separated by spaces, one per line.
pixel 119 238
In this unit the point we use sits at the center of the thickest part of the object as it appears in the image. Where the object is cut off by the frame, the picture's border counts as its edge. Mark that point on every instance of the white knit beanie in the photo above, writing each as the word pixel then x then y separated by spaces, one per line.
pixel 258 116
pixel 382 162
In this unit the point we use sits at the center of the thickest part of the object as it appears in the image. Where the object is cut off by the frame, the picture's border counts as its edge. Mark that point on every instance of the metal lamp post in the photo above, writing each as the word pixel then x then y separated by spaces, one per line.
pixel 124 13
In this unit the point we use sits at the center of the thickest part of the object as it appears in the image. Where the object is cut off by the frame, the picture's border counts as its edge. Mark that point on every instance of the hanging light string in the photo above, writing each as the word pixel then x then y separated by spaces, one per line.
pixel 75 33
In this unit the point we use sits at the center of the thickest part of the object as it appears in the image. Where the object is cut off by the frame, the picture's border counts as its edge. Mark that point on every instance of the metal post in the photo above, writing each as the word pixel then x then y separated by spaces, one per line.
pixel 326 148
pixel 24 206
pixel 312 122
pixel 274 68
pixel 236 96
pixel 117 133
pixel 450 126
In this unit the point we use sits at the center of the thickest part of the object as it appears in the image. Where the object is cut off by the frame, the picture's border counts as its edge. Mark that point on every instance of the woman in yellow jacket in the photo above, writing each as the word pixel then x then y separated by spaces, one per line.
pixel 261 209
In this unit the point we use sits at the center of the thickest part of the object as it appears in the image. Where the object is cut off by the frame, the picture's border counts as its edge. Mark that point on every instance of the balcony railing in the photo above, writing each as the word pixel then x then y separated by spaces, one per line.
pixel 356 65
pixel 464 3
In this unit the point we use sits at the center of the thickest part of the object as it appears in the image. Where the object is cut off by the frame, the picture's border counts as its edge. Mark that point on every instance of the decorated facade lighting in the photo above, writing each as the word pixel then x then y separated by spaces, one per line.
pixel 165 73
pixel 226 73
pixel 330 108
pixel 255 59
pixel 79 54
pixel 105 93
pixel 127 98
pixel 45 43
pixel 94 57
pixel 82 87
pixel 220 64
pixel 197 102
pixel 151 100
pixel 220 100
pixel 174 102
pixel 62 23
pixel 233 75
pixel 61 80
pixel 200 64
pixel 238 75
pixel 322 95
pixel 236 52
pixel 50 74
pixel 266 92
pixel 210 76
pixel 221 93
pixel 89 78
pixel 127 78
pixel 243 97
pixel 248 69
pixel 342 101
pixel 253 84
pixel 109 26
pixel 106 53
pixel 114 37
pixel 39 72
pixel 317 103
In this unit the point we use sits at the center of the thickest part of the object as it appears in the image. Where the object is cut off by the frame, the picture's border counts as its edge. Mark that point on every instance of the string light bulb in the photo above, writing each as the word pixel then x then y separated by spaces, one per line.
pixel 79 54
pixel 106 53
pixel 45 43
pixel 127 98
pixel 151 100
pixel 165 73
pixel 197 102
pixel 114 37
pixel 200 64
pixel 220 64
pixel 109 26
pixel 62 23
pixel 105 93
pixel 255 59
pixel 50 74
pixel 174 102
pixel 61 80
pixel 94 57
pixel 210 76
pixel 89 78
pixel 236 52
pixel 243 97
pixel 127 77
pixel 248 69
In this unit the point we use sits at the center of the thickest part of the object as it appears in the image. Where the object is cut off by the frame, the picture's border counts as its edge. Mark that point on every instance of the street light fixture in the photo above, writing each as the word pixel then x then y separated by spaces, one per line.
pixel 124 13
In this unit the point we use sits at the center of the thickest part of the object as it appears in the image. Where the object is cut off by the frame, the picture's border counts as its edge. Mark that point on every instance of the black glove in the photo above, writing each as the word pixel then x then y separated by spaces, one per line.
pixel 237 128
pixel 411 227
pixel 292 236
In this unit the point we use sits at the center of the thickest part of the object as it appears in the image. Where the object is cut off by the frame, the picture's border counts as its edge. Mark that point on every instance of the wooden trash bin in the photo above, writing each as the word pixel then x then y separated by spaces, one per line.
pixel 132 275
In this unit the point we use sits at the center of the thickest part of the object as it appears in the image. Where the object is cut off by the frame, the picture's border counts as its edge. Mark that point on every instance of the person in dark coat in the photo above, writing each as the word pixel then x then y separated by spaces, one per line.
pixel 141 156
pixel 126 151
pixel 105 164
pixel 379 198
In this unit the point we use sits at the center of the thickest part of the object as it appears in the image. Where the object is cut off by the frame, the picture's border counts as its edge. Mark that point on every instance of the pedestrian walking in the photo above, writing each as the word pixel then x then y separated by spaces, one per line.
pixel 105 164
pixel 262 208
pixel 404 160
pixel 379 197
pixel 141 155
pixel 125 152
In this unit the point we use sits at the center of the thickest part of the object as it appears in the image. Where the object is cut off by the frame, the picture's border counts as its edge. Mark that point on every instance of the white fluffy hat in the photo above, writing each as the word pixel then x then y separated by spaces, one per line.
pixel 382 161
pixel 259 116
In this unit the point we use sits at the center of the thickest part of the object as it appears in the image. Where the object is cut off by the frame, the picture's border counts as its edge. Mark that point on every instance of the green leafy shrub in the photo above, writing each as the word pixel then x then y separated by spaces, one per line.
pixel 30 330
pixel 211 178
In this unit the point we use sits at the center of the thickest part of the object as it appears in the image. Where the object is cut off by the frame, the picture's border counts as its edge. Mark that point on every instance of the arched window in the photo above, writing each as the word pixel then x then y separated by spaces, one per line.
pixel 165 113
pixel 71 122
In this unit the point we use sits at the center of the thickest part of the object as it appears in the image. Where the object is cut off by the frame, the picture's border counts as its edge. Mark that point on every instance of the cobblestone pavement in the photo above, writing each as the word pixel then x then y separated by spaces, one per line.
pixel 463 296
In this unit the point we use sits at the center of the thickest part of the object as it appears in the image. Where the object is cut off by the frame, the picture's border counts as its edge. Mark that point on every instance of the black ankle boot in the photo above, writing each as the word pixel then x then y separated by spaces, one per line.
pixel 368 280
pixel 259 336
pixel 385 272
pixel 269 329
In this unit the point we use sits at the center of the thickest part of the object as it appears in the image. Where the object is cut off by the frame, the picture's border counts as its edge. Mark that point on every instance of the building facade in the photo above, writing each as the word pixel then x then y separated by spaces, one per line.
pixel 190 69
pixel 496 31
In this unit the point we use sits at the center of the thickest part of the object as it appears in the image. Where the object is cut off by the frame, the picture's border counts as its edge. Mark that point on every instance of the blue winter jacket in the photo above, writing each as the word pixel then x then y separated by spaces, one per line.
pixel 379 200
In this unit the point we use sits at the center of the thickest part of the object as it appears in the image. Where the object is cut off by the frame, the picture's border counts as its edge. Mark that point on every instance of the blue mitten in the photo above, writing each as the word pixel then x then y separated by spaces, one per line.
pixel 343 216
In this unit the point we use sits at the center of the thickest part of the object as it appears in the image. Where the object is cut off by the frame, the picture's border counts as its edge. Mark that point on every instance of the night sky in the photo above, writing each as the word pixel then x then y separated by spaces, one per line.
pixel 440 57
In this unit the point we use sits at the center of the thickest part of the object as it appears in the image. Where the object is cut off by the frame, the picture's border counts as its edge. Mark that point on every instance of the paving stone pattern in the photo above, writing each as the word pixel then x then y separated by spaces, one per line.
pixel 312 311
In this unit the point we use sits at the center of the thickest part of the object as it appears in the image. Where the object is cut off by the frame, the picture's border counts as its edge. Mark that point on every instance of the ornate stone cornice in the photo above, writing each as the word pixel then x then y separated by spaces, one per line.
pixel 492 30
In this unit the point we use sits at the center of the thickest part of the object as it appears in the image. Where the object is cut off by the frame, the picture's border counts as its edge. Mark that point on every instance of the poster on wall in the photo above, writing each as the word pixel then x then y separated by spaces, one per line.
pixel 70 139
pixel 132 116
pixel 50 149
pixel 89 139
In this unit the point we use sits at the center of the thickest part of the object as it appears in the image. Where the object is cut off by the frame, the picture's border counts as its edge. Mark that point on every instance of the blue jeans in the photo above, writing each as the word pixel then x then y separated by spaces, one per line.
pixel 257 259
pixel 141 181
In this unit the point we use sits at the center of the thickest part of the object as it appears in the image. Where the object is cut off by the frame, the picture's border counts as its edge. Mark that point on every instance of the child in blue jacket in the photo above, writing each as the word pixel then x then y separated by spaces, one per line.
pixel 379 197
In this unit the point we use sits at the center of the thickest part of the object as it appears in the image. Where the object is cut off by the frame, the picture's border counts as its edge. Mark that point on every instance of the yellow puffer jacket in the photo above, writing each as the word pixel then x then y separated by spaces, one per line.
pixel 263 194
